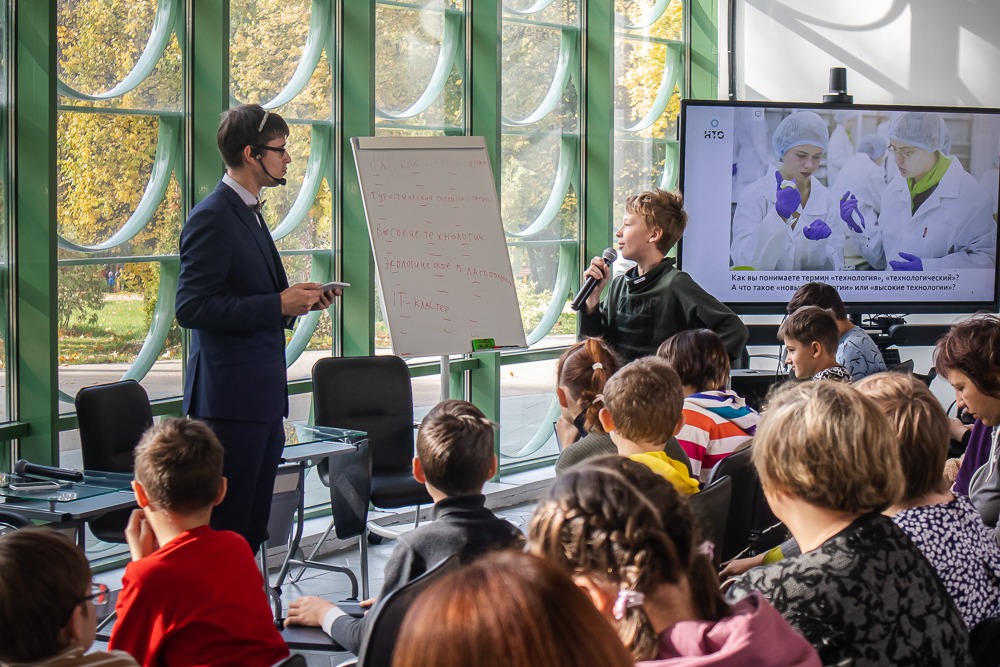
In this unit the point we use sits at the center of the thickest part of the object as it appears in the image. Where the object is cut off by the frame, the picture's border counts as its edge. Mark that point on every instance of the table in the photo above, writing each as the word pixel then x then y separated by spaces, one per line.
pixel 306 445
pixel 98 494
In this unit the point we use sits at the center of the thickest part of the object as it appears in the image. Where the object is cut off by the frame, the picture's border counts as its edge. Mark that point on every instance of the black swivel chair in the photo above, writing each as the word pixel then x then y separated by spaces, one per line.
pixel 984 642
pixel 11 521
pixel 112 419
pixel 711 510
pixel 372 394
pixel 749 513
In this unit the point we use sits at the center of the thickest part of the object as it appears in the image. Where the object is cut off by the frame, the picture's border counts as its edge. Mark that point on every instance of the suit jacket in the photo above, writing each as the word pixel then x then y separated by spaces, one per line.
pixel 228 295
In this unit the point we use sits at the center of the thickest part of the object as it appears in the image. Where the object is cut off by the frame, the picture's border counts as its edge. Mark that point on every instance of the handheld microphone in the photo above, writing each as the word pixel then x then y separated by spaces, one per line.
pixel 279 181
pixel 609 256
pixel 24 468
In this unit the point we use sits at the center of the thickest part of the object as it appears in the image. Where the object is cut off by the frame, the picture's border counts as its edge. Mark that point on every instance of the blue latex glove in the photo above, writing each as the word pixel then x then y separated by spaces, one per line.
pixel 850 214
pixel 817 231
pixel 786 200
pixel 911 263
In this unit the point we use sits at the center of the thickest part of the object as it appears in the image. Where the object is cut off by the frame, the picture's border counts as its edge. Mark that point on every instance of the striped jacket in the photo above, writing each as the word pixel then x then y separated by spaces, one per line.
pixel 716 424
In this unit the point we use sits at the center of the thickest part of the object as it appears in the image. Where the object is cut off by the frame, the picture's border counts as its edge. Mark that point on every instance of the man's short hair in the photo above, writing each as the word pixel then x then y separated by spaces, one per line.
pixel 920 425
pixel 179 464
pixel 455 447
pixel 43 577
pixel 811 324
pixel 662 210
pixel 972 348
pixel 241 127
pixel 645 399
pixel 699 357
pixel 828 445
pixel 818 294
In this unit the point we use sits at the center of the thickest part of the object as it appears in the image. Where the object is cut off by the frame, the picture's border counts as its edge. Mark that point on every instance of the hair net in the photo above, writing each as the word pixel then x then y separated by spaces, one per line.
pixel 921 129
pixel 872 144
pixel 798 129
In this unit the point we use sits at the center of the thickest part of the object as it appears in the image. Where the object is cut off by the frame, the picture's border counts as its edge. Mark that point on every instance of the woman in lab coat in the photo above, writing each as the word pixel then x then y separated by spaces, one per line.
pixel 779 221
pixel 933 216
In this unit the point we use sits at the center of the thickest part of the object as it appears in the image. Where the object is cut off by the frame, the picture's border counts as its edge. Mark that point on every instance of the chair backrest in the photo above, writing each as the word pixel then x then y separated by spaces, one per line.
pixel 112 419
pixel 711 509
pixel 901 367
pixel 379 642
pixel 748 509
pixel 371 394
pixel 350 476
pixel 294 660
pixel 284 502
pixel 984 641
pixel 11 521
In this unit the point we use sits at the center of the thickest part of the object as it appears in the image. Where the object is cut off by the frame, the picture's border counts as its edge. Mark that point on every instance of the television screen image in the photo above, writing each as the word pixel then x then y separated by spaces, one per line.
pixel 894 206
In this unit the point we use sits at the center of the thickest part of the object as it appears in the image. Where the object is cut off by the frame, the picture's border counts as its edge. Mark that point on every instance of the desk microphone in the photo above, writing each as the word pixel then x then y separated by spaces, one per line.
pixel 24 468
pixel 609 256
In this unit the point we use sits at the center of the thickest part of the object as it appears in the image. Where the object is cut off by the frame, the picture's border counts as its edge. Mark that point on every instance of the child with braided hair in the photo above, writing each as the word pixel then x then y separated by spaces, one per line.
pixel 580 376
pixel 629 540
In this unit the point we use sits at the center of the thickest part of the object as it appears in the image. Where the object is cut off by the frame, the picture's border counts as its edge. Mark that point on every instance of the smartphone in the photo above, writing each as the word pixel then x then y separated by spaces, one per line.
pixel 35 485
pixel 329 287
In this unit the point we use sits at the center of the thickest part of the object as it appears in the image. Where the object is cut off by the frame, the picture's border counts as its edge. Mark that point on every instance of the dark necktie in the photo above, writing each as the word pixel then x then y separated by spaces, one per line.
pixel 256 208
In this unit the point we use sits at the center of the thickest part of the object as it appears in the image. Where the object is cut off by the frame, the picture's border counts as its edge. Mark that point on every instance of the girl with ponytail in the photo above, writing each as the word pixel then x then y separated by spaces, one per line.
pixel 628 539
pixel 582 372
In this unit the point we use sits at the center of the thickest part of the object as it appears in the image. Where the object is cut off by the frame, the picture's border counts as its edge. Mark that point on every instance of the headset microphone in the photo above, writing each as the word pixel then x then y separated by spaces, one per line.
pixel 279 181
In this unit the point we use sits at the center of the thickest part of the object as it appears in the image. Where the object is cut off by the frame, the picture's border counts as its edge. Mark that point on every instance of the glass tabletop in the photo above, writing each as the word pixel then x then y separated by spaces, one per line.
pixel 298 433
pixel 95 483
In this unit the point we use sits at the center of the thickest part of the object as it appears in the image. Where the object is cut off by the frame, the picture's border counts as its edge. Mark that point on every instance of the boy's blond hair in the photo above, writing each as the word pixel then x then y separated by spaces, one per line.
pixel 662 210
pixel 825 443
pixel 179 464
pixel 920 425
pixel 811 324
pixel 645 399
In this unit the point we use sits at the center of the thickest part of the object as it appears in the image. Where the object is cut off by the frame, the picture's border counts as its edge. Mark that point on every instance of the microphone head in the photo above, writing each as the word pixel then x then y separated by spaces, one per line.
pixel 281 181
pixel 19 467
pixel 610 255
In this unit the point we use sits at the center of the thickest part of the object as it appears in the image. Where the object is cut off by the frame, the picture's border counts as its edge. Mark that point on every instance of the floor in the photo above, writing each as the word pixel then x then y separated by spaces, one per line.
pixel 335 586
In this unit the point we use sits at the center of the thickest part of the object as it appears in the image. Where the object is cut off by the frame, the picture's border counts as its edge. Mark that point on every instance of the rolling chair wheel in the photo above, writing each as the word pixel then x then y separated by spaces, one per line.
pixel 375 539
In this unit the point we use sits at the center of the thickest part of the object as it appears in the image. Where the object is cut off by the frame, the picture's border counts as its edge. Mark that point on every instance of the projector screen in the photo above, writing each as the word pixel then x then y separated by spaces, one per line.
pixel 896 207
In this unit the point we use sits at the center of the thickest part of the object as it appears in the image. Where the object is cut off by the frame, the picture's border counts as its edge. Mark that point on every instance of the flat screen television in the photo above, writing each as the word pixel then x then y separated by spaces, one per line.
pixel 767 187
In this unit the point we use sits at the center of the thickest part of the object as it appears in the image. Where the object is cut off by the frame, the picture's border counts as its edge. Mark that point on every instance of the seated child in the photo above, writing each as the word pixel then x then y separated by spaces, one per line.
pixel 191 595
pixel 580 376
pixel 644 403
pixel 717 421
pixel 47 603
pixel 856 350
pixel 454 459
pixel 630 541
pixel 946 528
pixel 810 336
pixel 653 300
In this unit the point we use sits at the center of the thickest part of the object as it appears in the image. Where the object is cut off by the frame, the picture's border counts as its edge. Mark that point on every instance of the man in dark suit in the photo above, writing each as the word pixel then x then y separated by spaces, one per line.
pixel 234 297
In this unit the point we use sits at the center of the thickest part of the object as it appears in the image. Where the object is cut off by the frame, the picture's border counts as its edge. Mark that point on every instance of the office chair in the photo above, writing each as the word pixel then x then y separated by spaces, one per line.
pixel 379 643
pixel 749 514
pixel 11 521
pixel 294 660
pixel 112 419
pixel 373 394
pixel 711 510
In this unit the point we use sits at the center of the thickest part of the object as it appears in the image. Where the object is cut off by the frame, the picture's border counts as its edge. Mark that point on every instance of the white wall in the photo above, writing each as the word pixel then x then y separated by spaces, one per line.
pixel 937 52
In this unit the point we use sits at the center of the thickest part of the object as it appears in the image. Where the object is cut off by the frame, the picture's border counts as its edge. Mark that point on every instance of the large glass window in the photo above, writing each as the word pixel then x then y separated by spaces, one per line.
pixel 540 185
pixel 118 198
pixel 648 80
pixel 5 203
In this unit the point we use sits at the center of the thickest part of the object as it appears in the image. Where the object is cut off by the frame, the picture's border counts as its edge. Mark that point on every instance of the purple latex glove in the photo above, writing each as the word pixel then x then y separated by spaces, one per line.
pixel 817 231
pixel 911 263
pixel 786 200
pixel 850 214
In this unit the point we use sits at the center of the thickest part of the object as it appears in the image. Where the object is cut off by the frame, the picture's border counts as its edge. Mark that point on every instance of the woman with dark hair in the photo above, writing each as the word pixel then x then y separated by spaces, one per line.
pixel 506 609
pixel 968 357
pixel 629 540
pixel 717 421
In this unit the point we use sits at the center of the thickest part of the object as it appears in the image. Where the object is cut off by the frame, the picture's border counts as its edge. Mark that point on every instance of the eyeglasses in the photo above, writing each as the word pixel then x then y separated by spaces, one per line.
pixel 282 152
pixel 99 594
pixel 905 153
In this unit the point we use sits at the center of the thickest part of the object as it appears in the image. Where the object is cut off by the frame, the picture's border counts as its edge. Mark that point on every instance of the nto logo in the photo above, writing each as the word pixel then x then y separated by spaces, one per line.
pixel 713 133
